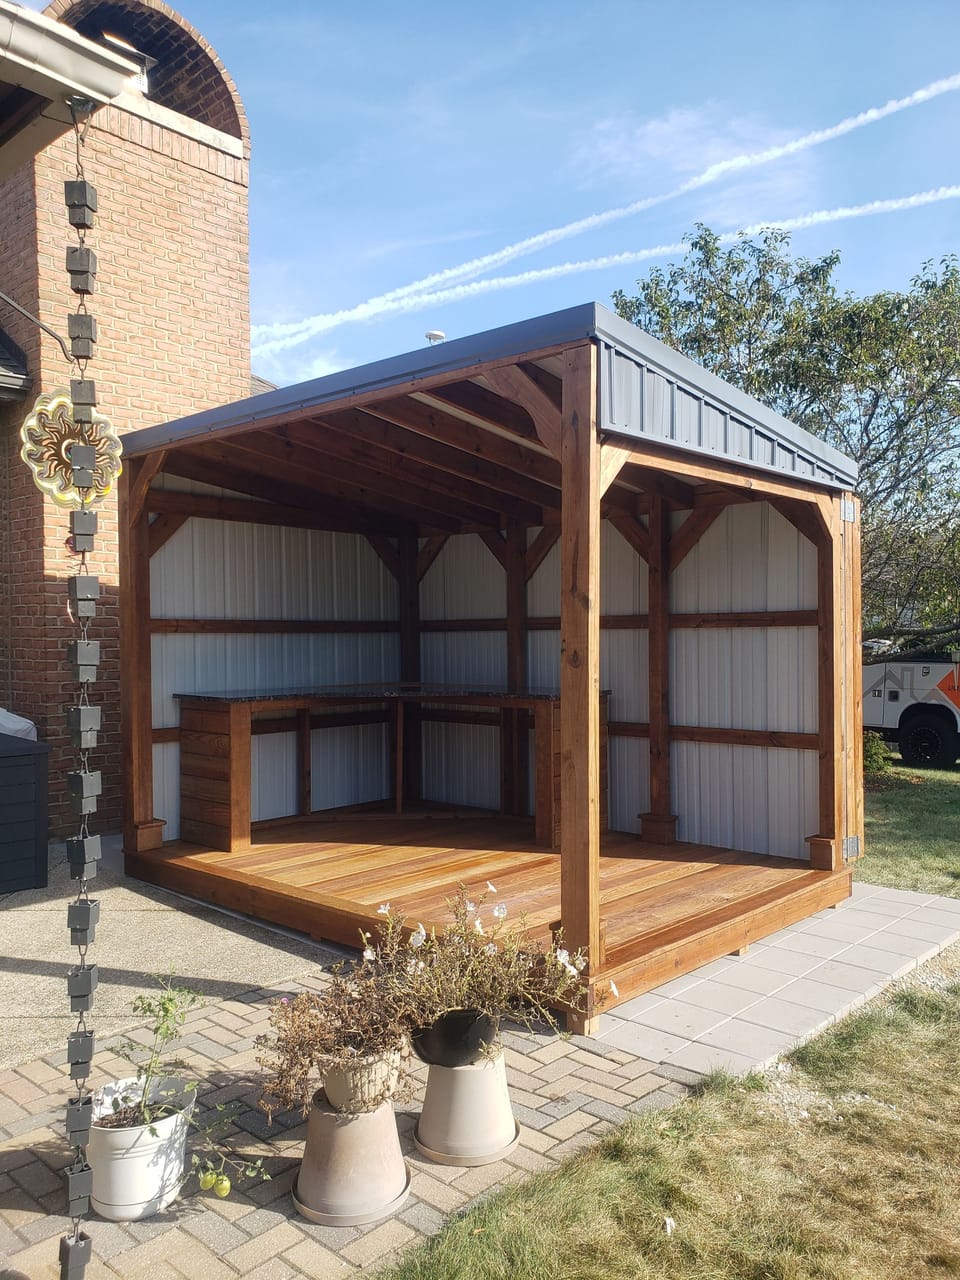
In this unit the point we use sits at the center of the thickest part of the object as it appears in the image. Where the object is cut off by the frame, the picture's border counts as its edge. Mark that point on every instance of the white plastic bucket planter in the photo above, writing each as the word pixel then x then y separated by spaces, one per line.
pixel 138 1171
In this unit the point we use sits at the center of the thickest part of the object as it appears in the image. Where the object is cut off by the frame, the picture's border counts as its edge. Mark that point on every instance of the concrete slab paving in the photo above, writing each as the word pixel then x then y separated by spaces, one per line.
pixel 738 1014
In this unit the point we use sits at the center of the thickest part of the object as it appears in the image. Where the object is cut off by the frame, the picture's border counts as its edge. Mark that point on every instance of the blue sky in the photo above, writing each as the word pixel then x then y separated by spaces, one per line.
pixel 392 142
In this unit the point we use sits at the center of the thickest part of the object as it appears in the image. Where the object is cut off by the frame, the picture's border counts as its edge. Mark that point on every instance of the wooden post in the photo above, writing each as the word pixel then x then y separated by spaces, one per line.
pixel 408 585
pixel 514 742
pixel 659 825
pixel 141 830
pixel 580 658
pixel 826 847
pixel 304 763
pixel 853 630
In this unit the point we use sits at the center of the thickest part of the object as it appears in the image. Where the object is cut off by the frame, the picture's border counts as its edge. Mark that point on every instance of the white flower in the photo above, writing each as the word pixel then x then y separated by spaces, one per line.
pixel 369 953
pixel 469 907
pixel 418 937
pixel 563 956
pixel 477 925
pixel 669 1225
pixel 571 970
pixel 613 988
pixel 581 963
pixel 414 966
pixel 500 910
pixel 490 888
pixel 490 949
pixel 383 909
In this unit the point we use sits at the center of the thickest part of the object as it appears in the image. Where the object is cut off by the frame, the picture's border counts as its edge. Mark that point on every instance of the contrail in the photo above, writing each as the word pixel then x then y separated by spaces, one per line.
pixel 314 325
pixel 458 292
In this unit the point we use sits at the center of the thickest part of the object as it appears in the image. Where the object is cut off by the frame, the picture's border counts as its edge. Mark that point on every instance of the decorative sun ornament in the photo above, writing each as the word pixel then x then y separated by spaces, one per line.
pixel 47 435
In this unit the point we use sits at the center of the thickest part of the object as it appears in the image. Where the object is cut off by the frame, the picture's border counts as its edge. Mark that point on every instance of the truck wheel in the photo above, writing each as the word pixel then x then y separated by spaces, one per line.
pixel 929 741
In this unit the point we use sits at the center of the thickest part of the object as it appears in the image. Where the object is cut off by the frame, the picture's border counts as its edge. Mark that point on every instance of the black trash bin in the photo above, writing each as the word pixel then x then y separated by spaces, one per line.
pixel 23 814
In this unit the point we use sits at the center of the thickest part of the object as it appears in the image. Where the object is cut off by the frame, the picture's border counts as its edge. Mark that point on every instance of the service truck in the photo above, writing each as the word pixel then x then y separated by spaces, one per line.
pixel 915 702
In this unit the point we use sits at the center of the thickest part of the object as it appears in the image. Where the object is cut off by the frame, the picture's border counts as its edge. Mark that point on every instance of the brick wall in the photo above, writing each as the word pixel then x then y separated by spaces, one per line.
pixel 172 309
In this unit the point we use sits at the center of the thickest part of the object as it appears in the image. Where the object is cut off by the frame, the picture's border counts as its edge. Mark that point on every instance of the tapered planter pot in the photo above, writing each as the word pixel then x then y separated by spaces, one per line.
pixel 467 1118
pixel 138 1171
pixel 353 1170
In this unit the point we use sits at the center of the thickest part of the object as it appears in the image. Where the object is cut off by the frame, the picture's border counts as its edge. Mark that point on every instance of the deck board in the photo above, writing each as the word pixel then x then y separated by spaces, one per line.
pixel 665 909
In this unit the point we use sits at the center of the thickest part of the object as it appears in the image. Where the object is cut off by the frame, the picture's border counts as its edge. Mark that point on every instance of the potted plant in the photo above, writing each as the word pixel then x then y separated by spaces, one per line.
pixel 340 1056
pixel 458 983
pixel 139 1125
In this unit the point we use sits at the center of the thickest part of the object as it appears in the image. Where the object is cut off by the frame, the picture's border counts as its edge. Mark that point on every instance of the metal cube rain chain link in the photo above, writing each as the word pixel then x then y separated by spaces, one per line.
pixel 75 457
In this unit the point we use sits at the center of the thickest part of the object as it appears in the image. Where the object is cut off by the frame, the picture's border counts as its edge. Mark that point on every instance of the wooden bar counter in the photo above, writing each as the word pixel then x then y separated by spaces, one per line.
pixel 216 731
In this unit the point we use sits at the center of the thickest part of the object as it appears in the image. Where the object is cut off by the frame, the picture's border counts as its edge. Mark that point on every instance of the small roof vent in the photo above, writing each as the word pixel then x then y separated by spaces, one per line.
pixel 143 60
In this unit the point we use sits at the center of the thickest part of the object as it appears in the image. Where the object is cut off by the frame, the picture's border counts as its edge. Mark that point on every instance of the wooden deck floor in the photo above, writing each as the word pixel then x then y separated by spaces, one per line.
pixel 665 909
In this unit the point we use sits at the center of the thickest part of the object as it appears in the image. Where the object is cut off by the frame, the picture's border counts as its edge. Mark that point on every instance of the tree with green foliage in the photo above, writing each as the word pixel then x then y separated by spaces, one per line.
pixel 877 377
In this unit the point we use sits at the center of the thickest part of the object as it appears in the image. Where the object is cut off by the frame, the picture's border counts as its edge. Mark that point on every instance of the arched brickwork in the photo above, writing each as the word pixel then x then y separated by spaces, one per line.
pixel 189 77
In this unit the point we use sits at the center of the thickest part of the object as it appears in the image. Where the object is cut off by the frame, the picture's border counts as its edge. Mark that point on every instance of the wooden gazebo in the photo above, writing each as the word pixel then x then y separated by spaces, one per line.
pixel 369 652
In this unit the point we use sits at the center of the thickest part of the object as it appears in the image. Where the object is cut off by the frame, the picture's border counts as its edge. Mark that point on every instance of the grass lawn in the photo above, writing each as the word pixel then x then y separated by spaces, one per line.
pixel 845 1166
pixel 913 831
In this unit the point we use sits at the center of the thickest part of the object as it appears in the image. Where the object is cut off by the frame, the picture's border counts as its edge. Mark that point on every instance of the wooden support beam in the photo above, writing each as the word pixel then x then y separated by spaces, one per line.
pixel 514 383
pixel 162 530
pixel 495 544
pixel 690 532
pixel 483 406
pixel 514 748
pixel 140 482
pixel 322 515
pixel 524 456
pixel 659 824
pixel 409 610
pixel 428 553
pixel 676 492
pixel 271 626
pixel 826 847
pixel 368 432
pixel 630 528
pixel 613 457
pixel 141 830
pixel 387 551
pixel 580 658
pixel 304 763
pixel 853 663
pixel 539 549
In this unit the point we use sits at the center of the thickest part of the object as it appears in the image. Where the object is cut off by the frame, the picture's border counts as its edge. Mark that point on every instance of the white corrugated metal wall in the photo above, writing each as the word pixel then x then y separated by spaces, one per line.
pixel 223 569
pixel 750 559
pixel 461 763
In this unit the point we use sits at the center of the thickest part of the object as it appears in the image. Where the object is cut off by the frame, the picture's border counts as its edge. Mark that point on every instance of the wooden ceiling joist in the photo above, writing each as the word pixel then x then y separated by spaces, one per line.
pixel 484 407
pixel 513 382
pixel 434 423
pixel 373 432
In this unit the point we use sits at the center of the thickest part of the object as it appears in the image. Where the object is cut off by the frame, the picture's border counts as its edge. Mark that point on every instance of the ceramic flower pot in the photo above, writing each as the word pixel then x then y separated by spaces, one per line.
pixel 457 1038
pixel 467 1118
pixel 363 1084
pixel 353 1170
pixel 138 1171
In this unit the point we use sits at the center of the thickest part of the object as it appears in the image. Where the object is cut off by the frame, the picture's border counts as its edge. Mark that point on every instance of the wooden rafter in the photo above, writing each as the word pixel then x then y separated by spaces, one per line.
pixel 368 430
pixel 325 516
pixel 277 454
pixel 368 459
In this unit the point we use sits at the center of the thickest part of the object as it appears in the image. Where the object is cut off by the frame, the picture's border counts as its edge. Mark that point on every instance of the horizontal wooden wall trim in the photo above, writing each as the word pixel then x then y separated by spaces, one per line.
pixel 719 737
pixel 271 626
pixel 638 621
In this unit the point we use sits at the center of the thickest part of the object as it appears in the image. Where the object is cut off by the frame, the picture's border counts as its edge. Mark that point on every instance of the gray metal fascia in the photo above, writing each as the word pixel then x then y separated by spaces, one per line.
pixel 628 338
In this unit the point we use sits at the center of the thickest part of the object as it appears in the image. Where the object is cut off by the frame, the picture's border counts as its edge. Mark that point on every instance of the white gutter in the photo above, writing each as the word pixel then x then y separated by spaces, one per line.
pixel 51 60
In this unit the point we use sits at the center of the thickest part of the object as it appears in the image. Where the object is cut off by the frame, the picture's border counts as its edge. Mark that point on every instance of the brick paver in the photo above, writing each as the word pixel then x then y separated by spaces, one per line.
pixel 566 1094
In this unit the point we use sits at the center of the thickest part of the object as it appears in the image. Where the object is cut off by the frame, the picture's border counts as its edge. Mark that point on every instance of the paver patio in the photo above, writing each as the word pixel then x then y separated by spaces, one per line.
pixel 739 1013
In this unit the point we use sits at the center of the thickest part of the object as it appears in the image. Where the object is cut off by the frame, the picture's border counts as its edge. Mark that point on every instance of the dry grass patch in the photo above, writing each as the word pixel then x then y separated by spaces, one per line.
pixel 843 1166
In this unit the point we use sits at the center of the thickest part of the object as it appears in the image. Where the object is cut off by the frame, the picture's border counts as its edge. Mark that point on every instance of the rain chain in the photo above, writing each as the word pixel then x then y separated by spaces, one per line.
pixel 84 784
